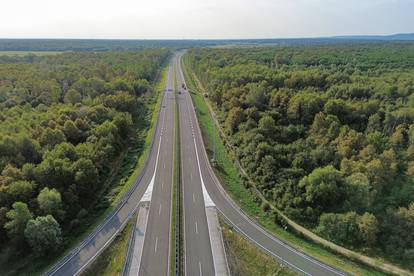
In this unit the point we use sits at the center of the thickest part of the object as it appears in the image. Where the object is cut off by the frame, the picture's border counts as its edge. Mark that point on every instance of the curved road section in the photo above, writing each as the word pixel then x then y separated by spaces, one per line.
pixel 95 243
pixel 273 246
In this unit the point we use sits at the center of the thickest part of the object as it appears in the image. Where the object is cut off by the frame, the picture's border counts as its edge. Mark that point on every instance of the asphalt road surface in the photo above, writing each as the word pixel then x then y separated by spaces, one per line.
pixel 240 222
pixel 156 251
pixel 198 258
pixel 156 245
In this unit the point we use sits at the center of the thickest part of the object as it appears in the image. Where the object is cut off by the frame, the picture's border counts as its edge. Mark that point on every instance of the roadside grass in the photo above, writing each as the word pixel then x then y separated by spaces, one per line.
pixel 245 259
pixel 126 169
pixel 25 53
pixel 232 183
pixel 112 259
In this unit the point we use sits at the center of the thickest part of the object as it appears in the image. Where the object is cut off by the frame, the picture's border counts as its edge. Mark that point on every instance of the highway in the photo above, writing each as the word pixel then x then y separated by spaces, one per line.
pixel 198 258
pixel 201 189
pixel 157 242
pixel 270 244
pixel 156 251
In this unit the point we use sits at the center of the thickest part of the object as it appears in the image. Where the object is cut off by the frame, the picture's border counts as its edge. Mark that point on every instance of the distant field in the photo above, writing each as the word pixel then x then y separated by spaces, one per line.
pixel 24 53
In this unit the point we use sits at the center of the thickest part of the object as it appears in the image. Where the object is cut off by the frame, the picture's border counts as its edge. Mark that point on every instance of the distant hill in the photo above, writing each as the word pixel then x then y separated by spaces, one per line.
pixel 96 45
pixel 393 37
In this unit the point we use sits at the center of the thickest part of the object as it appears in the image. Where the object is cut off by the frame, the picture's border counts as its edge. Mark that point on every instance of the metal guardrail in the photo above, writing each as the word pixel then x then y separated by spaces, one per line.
pixel 131 244
pixel 125 198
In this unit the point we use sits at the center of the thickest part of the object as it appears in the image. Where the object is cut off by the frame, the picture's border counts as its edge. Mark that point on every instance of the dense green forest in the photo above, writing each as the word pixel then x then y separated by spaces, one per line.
pixel 64 121
pixel 326 133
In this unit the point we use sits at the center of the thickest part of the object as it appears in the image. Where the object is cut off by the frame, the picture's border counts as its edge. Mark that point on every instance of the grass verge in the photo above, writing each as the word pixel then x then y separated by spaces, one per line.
pixel 112 259
pixel 231 181
pixel 243 257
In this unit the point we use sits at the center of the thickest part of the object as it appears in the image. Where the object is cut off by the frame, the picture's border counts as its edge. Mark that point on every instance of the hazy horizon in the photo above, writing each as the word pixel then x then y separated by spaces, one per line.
pixel 209 19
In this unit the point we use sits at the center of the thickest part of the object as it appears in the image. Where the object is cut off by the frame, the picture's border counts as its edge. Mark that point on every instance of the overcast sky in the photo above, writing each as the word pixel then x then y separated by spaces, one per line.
pixel 151 19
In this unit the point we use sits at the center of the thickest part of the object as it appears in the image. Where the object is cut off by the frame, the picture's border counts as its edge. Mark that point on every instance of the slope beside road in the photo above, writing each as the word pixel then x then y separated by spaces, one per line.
pixel 247 227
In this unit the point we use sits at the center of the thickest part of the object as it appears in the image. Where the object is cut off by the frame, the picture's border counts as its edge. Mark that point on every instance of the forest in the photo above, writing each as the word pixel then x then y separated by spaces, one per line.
pixel 64 120
pixel 326 133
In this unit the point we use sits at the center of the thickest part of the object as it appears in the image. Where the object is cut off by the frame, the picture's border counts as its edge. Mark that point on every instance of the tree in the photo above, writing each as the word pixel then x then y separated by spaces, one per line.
pixel 257 95
pixel 72 132
pixel 29 149
pixel 304 106
pixel 122 101
pixel 21 190
pixel 86 176
pixel 18 218
pixel 349 142
pixel 54 171
pixel 72 96
pixel 359 196
pixel 43 235
pixel 267 126
pixel 3 221
pixel 50 201
pixel 396 233
pixel 323 187
pixel 234 118
pixel 340 109
pixel 141 86
pixel 9 174
pixel 340 228
pixel 368 228
pixel 51 137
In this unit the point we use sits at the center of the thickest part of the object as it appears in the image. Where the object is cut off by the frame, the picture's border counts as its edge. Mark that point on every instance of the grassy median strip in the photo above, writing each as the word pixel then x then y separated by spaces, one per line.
pixel 230 178
pixel 112 259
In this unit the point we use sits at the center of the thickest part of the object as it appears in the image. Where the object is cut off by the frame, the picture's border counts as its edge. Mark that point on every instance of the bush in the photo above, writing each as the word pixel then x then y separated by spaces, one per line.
pixel 43 235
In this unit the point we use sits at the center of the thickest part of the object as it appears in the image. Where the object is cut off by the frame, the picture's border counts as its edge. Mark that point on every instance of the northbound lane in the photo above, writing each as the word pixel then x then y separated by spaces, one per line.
pixel 239 221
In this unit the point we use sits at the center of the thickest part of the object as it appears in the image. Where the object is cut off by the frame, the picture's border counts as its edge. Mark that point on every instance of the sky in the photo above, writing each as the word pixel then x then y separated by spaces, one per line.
pixel 203 19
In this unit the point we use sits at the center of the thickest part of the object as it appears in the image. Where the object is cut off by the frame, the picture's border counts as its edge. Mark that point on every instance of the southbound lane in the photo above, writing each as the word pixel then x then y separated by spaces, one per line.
pixel 79 258
pixel 197 247
pixel 156 250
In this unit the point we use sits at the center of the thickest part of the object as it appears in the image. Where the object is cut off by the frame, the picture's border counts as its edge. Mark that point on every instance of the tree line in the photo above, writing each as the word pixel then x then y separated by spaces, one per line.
pixel 326 133
pixel 64 121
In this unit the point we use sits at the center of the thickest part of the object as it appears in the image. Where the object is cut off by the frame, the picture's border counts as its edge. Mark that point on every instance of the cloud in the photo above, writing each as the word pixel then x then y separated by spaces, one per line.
pixel 203 18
